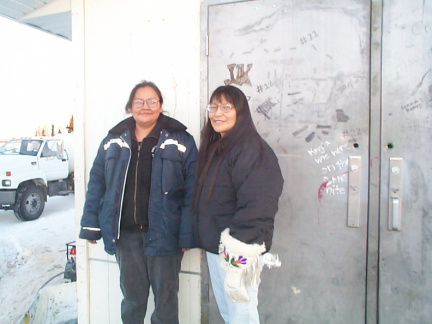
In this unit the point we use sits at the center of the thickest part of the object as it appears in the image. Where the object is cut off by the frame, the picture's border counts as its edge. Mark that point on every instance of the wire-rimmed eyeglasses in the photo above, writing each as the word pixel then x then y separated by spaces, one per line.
pixel 139 103
pixel 224 108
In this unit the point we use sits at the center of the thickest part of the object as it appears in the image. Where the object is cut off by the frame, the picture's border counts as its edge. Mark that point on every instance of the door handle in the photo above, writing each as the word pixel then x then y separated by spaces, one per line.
pixel 354 186
pixel 395 195
pixel 395 213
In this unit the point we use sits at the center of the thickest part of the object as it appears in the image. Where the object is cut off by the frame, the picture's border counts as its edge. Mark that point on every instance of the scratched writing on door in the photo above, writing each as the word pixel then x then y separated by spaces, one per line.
pixel 333 167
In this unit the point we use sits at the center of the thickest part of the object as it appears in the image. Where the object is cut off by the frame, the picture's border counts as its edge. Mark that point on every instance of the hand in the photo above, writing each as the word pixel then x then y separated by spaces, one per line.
pixel 185 249
pixel 92 241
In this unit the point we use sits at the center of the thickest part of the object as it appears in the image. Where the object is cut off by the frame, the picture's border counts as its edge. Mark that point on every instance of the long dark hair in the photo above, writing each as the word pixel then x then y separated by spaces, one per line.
pixel 213 144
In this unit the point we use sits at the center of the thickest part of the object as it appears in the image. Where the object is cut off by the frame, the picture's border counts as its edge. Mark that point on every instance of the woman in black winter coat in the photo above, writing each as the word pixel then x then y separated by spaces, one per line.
pixel 237 188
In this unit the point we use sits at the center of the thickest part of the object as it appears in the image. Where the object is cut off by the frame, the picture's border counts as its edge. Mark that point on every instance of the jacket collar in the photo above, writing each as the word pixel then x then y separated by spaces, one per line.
pixel 167 123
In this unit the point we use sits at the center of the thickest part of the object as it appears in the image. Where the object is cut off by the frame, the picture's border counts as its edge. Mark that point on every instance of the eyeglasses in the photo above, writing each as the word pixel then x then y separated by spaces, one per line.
pixel 224 108
pixel 151 103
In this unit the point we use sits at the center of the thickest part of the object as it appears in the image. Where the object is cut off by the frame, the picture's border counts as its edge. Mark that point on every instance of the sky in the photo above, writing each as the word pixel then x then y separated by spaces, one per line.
pixel 37 80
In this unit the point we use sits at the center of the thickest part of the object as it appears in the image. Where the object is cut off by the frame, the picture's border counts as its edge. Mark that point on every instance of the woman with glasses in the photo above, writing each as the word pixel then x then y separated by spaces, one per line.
pixel 237 188
pixel 139 201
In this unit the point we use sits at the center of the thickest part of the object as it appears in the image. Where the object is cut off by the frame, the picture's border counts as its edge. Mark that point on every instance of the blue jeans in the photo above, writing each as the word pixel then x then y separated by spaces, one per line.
pixel 231 312
pixel 138 272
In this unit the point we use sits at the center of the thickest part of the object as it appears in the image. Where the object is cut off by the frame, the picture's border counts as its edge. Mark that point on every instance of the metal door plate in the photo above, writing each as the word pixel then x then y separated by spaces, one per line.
pixel 354 190
pixel 395 195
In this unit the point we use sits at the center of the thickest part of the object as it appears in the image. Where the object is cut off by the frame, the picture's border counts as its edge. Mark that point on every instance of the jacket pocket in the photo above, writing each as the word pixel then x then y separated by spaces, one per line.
pixel 111 157
pixel 172 216
pixel 172 172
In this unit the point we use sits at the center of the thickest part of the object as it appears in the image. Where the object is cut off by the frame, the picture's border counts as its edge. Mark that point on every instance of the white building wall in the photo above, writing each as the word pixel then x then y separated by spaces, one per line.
pixel 118 44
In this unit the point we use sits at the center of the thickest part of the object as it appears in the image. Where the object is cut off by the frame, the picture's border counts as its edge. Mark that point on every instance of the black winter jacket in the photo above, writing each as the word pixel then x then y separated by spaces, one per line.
pixel 244 198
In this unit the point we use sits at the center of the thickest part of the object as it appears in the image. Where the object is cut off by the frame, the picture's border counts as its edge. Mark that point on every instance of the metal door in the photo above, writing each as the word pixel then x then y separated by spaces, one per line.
pixel 405 255
pixel 304 65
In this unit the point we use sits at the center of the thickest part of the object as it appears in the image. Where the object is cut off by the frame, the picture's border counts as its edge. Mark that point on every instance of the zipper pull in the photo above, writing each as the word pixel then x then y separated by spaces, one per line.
pixel 139 148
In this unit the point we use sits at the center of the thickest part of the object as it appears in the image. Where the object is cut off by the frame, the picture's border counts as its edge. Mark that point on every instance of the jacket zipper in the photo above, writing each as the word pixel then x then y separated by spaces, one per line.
pixel 136 184
pixel 124 184
pixel 154 151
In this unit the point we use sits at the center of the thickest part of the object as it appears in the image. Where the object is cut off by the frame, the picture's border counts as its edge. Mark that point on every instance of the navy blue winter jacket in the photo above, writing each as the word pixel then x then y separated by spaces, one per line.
pixel 172 181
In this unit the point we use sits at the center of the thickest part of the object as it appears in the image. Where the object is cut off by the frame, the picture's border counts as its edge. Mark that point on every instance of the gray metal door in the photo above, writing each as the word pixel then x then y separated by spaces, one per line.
pixel 305 67
pixel 405 262
pixel 307 79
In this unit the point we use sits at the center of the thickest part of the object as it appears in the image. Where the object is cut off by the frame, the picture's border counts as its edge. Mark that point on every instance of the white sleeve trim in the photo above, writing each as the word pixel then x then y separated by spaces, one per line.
pixel 94 229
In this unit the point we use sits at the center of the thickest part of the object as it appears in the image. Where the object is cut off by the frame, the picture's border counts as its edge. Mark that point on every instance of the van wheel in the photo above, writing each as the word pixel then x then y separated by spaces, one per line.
pixel 30 203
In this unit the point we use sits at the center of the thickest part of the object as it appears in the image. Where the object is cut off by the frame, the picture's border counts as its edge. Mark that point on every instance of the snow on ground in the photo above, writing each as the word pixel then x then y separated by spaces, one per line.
pixel 31 253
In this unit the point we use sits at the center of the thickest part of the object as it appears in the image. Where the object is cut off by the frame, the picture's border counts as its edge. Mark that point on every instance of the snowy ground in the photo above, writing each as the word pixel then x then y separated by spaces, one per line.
pixel 31 253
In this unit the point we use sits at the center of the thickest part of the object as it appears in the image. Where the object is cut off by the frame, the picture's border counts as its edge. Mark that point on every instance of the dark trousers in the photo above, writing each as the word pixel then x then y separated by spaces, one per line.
pixel 139 272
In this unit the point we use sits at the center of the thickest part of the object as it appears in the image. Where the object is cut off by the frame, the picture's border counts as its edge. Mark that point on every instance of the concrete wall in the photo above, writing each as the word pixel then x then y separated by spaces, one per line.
pixel 118 44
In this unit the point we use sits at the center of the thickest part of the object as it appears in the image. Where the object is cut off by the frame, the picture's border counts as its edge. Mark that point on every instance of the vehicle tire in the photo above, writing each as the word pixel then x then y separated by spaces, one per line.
pixel 30 203
pixel 71 182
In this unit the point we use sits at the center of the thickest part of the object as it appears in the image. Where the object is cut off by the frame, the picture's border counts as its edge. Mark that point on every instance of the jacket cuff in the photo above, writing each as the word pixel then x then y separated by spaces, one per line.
pixel 187 243
pixel 90 233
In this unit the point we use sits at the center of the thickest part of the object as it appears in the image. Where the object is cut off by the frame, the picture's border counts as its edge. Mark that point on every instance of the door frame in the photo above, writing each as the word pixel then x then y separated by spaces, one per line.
pixel 375 117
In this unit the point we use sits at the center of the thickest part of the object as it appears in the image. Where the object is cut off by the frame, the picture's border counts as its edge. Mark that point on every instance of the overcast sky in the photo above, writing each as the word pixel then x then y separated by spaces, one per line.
pixel 37 80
